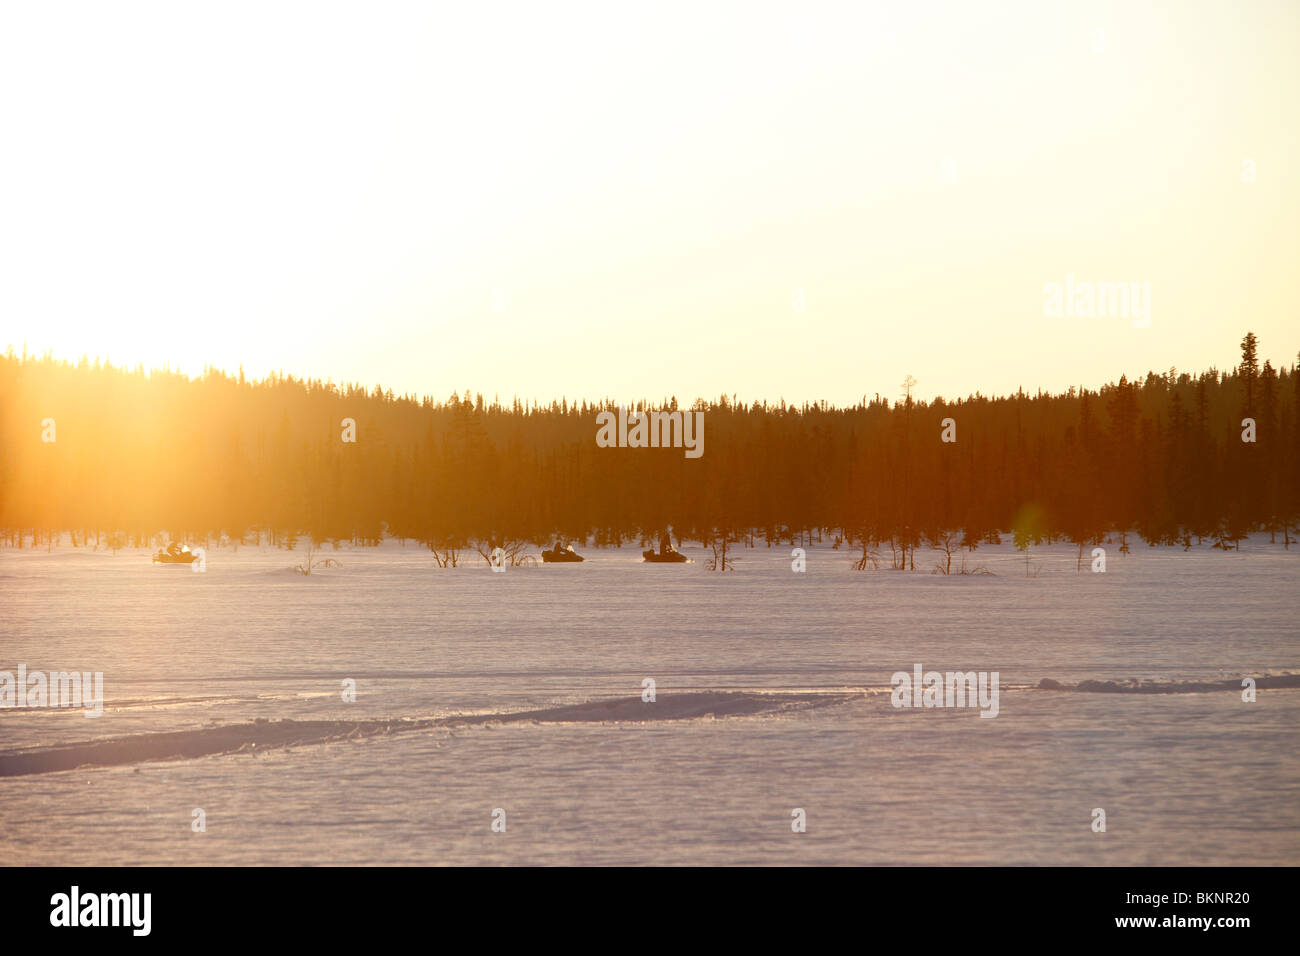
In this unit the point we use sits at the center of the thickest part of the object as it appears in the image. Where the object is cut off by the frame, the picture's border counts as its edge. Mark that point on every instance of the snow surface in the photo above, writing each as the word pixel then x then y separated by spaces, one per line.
pixel 522 690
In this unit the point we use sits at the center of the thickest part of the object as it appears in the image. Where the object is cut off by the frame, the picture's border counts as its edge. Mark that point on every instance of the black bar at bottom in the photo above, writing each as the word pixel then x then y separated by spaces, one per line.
pixel 263 905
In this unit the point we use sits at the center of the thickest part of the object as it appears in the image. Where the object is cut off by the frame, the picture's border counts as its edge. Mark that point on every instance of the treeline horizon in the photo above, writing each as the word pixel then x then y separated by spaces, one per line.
pixel 116 456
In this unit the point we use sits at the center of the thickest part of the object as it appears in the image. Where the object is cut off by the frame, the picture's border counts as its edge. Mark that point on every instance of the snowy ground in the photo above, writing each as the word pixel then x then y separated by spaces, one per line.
pixel 192 662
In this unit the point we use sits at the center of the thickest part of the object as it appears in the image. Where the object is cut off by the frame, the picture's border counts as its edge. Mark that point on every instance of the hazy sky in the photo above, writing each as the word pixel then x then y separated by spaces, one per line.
pixel 633 199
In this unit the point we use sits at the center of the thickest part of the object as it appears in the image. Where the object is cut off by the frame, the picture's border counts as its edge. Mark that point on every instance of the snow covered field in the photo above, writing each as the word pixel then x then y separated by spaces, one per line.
pixel 224 692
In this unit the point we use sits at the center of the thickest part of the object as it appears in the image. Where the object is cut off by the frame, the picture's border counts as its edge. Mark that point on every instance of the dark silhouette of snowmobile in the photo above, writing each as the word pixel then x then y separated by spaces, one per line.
pixel 666 554
pixel 558 555
pixel 671 556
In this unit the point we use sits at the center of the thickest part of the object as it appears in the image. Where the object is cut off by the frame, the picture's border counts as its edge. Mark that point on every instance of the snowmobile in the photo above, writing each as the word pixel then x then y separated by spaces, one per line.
pixel 175 555
pixel 669 555
pixel 560 555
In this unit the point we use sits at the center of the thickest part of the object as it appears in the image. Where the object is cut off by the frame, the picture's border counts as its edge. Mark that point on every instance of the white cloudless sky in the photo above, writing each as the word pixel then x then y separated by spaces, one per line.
pixel 626 199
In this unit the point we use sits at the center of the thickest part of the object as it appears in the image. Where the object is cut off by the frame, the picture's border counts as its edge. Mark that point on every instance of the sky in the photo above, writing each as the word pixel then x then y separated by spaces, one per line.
pixel 794 201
